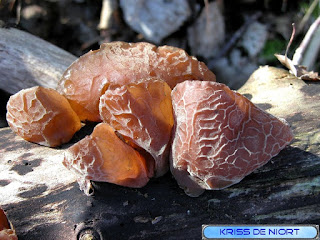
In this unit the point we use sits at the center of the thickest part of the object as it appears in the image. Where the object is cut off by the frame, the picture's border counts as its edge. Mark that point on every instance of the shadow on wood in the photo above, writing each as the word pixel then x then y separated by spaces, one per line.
pixel 43 201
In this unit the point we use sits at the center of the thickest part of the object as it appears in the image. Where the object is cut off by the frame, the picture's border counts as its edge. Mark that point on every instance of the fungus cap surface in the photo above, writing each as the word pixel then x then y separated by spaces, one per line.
pixel 122 63
pixel 220 136
pixel 103 157
pixel 142 114
pixel 43 116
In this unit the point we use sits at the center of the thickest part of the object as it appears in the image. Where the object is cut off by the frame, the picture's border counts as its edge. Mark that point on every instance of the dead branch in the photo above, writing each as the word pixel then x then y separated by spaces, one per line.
pixel 26 61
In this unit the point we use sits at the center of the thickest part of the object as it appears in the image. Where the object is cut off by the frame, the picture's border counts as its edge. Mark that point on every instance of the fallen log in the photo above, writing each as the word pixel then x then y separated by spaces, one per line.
pixel 27 61
pixel 43 201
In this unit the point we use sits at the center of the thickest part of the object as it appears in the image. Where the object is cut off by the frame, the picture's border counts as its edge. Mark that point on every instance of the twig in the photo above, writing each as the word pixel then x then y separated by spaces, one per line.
pixel 108 6
pixel 291 39
pixel 206 6
pixel 307 52
pixel 307 16
pixel 18 12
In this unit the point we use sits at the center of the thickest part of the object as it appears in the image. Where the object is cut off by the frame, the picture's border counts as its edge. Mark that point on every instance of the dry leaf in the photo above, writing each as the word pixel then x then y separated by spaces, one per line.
pixel 298 70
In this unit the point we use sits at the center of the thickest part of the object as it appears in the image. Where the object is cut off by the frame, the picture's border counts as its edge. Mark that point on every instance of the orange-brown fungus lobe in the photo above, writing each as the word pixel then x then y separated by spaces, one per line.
pixel 142 114
pixel 4 223
pixel 220 136
pixel 122 63
pixel 43 116
pixel 6 231
pixel 102 156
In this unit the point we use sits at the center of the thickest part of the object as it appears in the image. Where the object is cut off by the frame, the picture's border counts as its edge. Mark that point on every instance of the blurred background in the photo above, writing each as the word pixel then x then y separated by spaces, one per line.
pixel 233 37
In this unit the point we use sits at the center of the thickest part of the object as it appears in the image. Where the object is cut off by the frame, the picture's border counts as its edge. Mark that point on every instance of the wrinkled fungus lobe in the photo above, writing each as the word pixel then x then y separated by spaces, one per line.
pixel 43 116
pixel 142 114
pixel 220 136
pixel 103 157
pixel 122 63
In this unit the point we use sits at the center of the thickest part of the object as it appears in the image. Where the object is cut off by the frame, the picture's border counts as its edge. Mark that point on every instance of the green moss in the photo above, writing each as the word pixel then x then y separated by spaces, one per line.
pixel 271 47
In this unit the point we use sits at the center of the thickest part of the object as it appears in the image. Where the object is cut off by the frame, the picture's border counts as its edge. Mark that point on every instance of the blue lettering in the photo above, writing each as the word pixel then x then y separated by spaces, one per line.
pixel 273 231
pixel 230 231
pixel 222 231
pixel 246 231
pixel 256 231
pixel 242 231
pixel 283 231
pixel 289 231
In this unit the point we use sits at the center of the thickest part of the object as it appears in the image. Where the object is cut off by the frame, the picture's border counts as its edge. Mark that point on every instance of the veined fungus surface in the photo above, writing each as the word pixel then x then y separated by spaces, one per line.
pixel 122 63
pixel 43 116
pixel 142 114
pixel 220 136
pixel 103 157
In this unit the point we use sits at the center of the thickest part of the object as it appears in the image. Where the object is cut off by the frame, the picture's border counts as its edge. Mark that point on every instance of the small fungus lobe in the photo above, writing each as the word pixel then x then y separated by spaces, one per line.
pixel 103 157
pixel 41 115
pixel 142 114
pixel 219 136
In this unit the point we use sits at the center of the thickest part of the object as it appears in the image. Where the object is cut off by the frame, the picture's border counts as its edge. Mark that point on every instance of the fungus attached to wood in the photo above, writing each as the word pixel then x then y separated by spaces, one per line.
pixel 43 116
pixel 219 136
pixel 216 136
pixel 142 114
pixel 103 157
pixel 122 63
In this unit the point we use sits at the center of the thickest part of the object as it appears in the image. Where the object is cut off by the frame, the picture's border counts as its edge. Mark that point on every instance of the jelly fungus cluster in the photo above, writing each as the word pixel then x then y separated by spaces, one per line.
pixel 152 104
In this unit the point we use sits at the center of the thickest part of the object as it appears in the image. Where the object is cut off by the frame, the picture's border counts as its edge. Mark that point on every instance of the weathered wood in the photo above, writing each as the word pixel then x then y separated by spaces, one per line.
pixel 285 190
pixel 27 61
pixel 283 95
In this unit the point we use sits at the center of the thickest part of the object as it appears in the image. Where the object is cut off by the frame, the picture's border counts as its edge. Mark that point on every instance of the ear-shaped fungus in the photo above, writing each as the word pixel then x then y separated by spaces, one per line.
pixel 142 114
pixel 219 136
pixel 43 116
pixel 122 63
pixel 102 156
